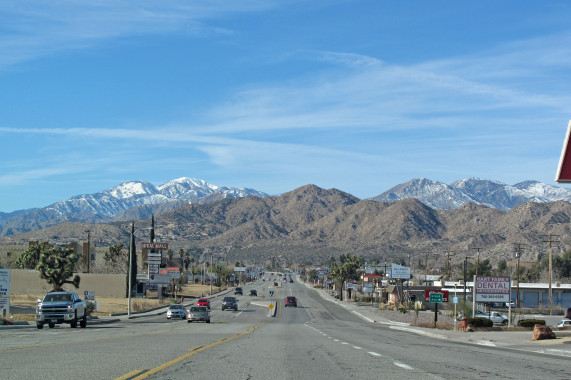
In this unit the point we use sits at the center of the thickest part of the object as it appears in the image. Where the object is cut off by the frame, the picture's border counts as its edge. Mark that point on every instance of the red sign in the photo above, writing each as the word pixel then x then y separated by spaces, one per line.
pixel 443 292
pixel 564 170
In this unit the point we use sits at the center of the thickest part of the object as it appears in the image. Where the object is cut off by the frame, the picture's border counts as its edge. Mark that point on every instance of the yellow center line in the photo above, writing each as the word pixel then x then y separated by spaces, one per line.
pixel 193 351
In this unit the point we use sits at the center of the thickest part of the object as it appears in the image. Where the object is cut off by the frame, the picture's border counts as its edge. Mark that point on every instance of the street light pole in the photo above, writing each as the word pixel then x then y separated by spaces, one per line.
pixel 130 268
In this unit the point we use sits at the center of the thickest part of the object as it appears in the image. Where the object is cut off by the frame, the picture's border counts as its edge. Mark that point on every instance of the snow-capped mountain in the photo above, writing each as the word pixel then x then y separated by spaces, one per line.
pixel 480 191
pixel 105 205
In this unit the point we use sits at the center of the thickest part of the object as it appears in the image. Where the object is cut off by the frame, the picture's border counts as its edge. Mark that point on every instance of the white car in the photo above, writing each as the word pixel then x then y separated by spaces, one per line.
pixel 564 323
pixel 176 310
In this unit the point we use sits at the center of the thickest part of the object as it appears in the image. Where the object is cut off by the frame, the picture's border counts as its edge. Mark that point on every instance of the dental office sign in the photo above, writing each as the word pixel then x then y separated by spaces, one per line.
pixel 492 289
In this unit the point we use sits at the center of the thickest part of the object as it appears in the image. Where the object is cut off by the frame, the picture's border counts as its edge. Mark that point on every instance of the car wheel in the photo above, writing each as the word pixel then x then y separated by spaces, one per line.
pixel 83 322
pixel 73 323
pixel 208 321
pixel 39 326
pixel 189 321
pixel 51 325
pixel 505 322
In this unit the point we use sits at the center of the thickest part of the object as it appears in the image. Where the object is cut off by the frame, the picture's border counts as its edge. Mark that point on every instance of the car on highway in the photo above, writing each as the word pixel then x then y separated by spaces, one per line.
pixel 198 313
pixel 254 292
pixel 564 323
pixel 239 291
pixel 203 302
pixel 229 302
pixel 176 310
pixel 291 301
pixel 567 313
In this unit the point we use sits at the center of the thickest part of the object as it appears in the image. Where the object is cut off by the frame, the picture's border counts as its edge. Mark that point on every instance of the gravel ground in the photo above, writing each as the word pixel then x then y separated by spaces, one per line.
pixel 424 317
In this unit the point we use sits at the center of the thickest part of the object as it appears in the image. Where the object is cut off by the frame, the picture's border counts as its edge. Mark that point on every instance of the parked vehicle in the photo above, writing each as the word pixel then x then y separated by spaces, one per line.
pixel 229 303
pixel 497 318
pixel 254 292
pixel 291 301
pixel 198 313
pixel 564 323
pixel 239 291
pixel 61 307
pixel 176 310
pixel 203 302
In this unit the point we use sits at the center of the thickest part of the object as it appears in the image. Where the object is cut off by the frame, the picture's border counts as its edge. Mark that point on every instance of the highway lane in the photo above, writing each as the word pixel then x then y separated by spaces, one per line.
pixel 318 339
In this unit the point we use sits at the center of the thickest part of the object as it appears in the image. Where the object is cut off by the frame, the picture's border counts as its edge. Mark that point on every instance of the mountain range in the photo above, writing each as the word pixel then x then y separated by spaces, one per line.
pixel 310 222
pixel 139 200
pixel 489 193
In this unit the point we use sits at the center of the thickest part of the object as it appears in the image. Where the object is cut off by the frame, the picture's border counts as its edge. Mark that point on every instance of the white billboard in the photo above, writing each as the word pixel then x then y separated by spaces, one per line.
pixel 398 271
pixel 492 289
pixel 5 290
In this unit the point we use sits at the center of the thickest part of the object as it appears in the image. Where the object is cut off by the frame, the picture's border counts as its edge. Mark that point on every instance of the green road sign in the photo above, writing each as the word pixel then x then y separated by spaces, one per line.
pixel 436 297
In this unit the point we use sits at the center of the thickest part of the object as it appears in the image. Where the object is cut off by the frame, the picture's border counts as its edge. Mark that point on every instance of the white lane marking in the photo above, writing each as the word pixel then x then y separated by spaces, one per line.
pixel 402 365
pixel 344 343
pixel 336 340
pixel 357 347
pixel 374 354
pixel 486 343
pixel 365 318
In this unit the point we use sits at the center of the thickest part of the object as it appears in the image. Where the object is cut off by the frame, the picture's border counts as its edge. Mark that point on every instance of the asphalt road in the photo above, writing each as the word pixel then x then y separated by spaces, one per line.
pixel 316 340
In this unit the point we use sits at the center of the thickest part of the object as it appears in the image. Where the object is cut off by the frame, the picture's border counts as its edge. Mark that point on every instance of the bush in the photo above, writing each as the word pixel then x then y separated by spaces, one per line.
pixel 90 307
pixel 530 322
pixel 403 309
pixel 480 322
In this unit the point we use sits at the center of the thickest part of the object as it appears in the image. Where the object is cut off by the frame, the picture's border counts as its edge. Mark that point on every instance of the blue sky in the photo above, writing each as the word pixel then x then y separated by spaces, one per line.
pixel 273 95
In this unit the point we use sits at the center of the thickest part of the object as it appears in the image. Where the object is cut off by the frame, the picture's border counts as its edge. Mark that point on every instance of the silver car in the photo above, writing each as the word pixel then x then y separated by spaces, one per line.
pixel 176 310
pixel 198 313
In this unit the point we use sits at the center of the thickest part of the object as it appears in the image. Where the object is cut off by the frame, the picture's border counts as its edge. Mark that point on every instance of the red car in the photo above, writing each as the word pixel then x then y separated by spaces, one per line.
pixel 291 301
pixel 203 302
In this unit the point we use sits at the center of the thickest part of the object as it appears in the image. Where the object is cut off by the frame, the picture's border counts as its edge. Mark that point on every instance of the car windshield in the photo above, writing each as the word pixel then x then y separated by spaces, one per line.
pixel 197 308
pixel 229 298
pixel 175 307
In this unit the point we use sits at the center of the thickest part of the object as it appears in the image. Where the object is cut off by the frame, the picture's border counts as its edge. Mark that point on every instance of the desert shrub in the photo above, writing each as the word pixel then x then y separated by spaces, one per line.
pixel 90 307
pixel 318 286
pixel 403 309
pixel 530 322
pixel 480 322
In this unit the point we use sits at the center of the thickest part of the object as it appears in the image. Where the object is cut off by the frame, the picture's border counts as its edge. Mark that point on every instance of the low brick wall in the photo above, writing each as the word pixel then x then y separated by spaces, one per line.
pixel 104 285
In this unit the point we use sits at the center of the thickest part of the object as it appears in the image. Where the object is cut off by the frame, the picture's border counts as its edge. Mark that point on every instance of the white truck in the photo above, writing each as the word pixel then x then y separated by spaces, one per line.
pixel 61 307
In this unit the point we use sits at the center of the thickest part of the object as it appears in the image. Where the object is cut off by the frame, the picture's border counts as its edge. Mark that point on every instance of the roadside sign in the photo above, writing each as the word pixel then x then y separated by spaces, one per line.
pixel 400 272
pixel 155 245
pixel 4 291
pixel 271 306
pixel 454 299
pixel 564 170
pixel 436 296
pixel 492 289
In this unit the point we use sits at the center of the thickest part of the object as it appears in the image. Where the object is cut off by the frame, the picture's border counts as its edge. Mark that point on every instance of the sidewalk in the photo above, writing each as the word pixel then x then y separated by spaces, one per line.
pixel 519 340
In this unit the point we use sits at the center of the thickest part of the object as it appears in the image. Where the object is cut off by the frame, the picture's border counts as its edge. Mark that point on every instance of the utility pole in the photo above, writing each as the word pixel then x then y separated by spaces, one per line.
pixel 550 236
pixel 517 255
pixel 465 264
pixel 88 248
pixel 477 259
pixel 448 263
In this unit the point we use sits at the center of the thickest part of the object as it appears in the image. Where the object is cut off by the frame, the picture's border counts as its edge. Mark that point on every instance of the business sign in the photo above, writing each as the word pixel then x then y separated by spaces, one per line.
pixel 400 272
pixel 4 290
pixel 351 285
pixel 368 287
pixel 239 269
pixel 436 296
pixel 159 279
pixel 157 246
pixel 492 289
pixel 173 272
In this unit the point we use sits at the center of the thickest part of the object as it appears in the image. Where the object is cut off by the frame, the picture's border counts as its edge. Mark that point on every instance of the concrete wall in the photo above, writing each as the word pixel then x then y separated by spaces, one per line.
pixel 104 285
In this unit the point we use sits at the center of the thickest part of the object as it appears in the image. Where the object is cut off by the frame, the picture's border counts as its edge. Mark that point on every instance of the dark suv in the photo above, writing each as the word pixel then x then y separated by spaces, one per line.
pixel 568 313
pixel 291 301
pixel 238 291
pixel 230 303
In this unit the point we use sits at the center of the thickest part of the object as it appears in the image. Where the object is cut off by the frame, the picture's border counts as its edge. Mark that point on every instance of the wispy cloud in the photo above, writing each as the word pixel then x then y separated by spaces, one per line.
pixel 35 28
